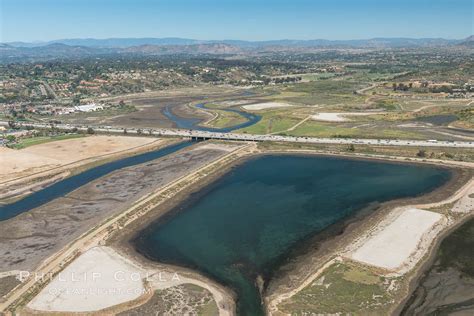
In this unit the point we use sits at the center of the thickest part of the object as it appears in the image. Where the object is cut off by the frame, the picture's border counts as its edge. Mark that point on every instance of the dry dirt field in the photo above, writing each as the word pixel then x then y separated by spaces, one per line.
pixel 24 162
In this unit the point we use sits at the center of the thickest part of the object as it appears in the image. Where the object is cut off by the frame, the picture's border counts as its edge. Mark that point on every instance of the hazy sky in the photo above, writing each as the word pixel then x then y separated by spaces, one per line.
pixel 30 20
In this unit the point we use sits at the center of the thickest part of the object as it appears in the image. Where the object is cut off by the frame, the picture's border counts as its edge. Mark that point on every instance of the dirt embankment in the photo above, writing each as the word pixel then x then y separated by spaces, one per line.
pixel 27 170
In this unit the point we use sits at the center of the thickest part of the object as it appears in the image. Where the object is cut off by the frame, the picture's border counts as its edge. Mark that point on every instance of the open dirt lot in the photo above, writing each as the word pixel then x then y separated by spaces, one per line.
pixel 400 240
pixel 266 105
pixel 98 279
pixel 29 238
pixel 24 162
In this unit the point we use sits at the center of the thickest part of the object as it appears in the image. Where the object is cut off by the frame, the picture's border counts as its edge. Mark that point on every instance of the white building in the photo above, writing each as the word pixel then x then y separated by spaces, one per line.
pixel 88 107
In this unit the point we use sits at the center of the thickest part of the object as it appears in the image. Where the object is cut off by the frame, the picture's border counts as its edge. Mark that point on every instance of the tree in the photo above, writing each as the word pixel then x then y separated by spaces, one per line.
pixel 90 130
pixel 12 124
pixel 421 153
pixel 351 148
pixel 76 100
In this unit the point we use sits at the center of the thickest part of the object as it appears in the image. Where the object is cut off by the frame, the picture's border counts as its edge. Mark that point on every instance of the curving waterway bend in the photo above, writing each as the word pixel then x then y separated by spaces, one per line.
pixel 245 225
pixel 193 123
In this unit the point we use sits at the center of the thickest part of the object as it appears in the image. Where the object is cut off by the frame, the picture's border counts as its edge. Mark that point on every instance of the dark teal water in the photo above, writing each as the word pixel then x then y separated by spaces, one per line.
pixel 245 224
pixel 69 184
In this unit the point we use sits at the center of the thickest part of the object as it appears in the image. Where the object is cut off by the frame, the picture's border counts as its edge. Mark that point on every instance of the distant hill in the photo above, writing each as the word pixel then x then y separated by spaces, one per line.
pixel 468 42
pixel 77 48
pixel 47 51
pixel 131 42
pixel 209 48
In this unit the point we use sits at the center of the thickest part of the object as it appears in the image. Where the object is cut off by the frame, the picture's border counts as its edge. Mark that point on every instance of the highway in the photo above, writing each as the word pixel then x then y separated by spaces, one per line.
pixel 251 137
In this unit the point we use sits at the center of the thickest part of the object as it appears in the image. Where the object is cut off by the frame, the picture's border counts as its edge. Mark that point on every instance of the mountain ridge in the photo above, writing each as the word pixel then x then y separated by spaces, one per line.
pixel 130 42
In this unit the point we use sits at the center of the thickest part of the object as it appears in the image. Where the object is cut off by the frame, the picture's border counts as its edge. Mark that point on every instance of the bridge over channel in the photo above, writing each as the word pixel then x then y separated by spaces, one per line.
pixel 205 135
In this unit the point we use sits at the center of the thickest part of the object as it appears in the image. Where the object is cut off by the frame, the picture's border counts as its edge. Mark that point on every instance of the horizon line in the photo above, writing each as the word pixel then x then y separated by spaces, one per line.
pixel 231 39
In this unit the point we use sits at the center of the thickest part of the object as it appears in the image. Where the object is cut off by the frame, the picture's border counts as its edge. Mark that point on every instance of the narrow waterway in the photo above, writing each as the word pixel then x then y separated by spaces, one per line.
pixel 245 224
pixel 193 123
pixel 69 184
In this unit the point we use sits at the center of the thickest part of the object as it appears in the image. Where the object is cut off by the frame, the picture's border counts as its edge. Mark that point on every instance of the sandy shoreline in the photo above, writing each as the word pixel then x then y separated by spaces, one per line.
pixel 309 252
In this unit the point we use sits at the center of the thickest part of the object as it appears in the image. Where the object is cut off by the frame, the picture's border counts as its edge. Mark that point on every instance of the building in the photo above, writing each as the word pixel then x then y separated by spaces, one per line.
pixel 88 107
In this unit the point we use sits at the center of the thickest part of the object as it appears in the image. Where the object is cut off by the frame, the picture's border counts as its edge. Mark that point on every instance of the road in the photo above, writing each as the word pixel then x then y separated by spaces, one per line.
pixel 252 137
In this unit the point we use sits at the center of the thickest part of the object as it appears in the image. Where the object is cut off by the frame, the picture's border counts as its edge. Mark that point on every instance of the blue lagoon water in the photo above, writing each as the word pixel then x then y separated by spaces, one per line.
pixel 245 224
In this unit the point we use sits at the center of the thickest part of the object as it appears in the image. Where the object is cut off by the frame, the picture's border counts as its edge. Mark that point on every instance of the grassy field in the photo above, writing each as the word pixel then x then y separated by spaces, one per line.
pixel 273 121
pixel 328 92
pixel 27 142
pixel 319 92
pixel 225 119
pixel 342 288
pixel 322 129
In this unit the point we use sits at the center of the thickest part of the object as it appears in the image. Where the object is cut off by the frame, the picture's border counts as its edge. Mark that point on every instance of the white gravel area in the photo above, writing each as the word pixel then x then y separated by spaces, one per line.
pixel 97 279
pixel 400 240
pixel 266 105
pixel 339 117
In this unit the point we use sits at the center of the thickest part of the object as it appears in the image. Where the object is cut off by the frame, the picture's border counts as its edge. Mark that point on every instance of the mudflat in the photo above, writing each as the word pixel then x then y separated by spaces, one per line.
pixel 31 237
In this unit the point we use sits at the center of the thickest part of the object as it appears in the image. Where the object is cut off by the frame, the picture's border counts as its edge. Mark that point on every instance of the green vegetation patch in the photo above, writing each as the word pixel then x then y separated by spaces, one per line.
pixel 320 129
pixel 272 122
pixel 226 119
pixel 342 288
pixel 27 142
pixel 330 92
pixel 456 250
pixel 185 299
pixel 387 104
pixel 466 118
